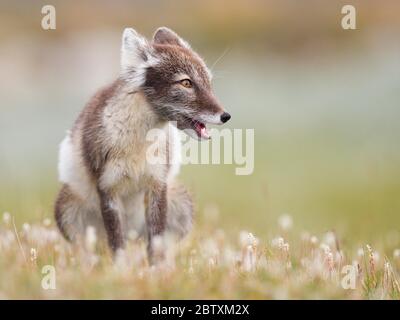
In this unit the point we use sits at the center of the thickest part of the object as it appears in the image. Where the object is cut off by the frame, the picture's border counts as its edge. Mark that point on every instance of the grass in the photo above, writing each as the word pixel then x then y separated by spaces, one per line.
pixel 207 265
pixel 343 204
pixel 326 153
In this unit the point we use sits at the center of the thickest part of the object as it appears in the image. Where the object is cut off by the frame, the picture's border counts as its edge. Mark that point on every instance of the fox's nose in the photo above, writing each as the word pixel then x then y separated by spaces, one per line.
pixel 225 117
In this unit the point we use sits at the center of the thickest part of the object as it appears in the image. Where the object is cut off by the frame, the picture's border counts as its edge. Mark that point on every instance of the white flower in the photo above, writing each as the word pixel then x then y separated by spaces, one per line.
pixel 285 247
pixel 210 248
pixel 396 253
pixel 212 262
pixel 376 256
pixel 330 239
pixel 248 239
pixel 249 259
pixel 324 247
pixel 244 238
pixel 253 241
pixel 6 217
pixel 47 222
pixel 7 239
pixel 90 238
pixel 26 227
pixel 314 240
pixel 278 242
pixel 338 257
pixel 33 254
pixel 133 235
pixel 285 222
pixel 158 244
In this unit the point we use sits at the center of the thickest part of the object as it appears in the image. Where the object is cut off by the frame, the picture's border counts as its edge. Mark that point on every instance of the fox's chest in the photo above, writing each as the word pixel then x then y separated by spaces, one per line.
pixel 142 147
pixel 138 167
pixel 133 172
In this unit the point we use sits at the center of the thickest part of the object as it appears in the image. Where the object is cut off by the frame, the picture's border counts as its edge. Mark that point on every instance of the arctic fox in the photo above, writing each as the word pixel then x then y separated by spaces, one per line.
pixel 107 181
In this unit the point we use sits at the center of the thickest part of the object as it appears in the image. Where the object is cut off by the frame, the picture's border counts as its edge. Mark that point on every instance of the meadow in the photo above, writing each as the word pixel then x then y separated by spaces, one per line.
pixel 208 265
pixel 324 197
pixel 285 232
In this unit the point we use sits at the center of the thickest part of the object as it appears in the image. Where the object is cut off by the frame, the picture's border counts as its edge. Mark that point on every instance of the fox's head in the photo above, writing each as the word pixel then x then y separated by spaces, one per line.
pixel 174 79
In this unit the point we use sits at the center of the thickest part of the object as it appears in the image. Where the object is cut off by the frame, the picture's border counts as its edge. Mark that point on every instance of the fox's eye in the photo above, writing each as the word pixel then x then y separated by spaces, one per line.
pixel 186 83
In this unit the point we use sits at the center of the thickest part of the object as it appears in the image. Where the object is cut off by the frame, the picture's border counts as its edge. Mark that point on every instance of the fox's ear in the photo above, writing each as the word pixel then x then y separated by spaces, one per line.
pixel 165 35
pixel 135 49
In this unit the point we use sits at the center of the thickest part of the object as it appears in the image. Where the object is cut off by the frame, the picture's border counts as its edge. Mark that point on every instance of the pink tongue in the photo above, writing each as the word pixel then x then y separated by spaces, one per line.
pixel 203 130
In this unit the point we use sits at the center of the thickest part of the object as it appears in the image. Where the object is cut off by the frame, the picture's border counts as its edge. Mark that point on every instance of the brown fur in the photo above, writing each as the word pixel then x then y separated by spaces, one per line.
pixel 90 122
pixel 62 200
pixel 179 60
pixel 107 179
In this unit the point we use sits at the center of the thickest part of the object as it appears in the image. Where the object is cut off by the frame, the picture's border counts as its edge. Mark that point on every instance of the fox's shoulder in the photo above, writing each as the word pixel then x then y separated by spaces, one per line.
pixel 91 114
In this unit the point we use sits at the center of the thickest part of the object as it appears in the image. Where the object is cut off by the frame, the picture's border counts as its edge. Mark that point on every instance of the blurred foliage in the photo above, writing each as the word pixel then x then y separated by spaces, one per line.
pixel 276 25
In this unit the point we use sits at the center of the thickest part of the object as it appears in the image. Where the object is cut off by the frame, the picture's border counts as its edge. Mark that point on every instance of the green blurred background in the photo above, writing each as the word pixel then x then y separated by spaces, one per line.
pixel 324 103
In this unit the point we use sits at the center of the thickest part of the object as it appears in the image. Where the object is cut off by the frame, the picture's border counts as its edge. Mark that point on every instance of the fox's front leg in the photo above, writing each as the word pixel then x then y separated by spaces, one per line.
pixel 110 210
pixel 156 218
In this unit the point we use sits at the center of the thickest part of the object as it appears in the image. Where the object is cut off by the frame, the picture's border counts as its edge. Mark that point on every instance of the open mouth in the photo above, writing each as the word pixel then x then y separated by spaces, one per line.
pixel 199 127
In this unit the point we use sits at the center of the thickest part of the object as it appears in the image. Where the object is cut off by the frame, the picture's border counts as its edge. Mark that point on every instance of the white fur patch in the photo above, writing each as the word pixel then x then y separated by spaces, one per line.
pixel 65 162
pixel 176 152
pixel 211 118
pixel 72 171
pixel 136 56
pixel 133 48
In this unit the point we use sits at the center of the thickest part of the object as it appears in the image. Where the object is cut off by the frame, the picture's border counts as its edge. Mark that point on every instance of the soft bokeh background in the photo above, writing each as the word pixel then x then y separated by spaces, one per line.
pixel 324 103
